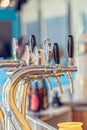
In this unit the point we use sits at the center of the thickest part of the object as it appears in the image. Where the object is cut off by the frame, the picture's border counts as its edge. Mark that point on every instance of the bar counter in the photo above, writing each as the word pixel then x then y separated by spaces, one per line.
pixel 52 116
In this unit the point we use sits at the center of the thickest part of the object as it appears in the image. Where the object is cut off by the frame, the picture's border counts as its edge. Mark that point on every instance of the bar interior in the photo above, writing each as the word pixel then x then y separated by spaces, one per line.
pixel 43 49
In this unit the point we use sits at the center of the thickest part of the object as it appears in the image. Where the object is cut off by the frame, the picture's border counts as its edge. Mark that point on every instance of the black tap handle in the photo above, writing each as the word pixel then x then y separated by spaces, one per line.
pixel 32 41
pixel 56 53
pixel 70 46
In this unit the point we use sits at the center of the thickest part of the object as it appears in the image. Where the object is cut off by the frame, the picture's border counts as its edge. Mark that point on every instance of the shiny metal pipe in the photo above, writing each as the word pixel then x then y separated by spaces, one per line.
pixel 69 69
pixel 24 98
pixel 31 71
pixel 35 71
pixel 50 72
pixel 16 112
pixel 11 63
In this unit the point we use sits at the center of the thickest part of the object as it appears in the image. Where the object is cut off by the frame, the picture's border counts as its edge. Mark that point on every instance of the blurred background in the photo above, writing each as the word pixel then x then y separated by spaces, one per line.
pixel 55 20
pixel 46 19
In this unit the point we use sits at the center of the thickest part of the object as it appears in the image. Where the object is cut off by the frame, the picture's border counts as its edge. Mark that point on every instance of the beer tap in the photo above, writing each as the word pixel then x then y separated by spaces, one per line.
pixel 29 50
pixel 71 59
pixel 56 55
pixel 36 67
pixel 42 61
pixel 15 62
pixel 11 71
pixel 48 56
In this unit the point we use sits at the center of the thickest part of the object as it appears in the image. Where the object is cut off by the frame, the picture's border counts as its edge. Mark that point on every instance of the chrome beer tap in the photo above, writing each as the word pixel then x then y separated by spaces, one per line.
pixel 15 62
pixel 71 59
pixel 6 88
pixel 48 56
pixel 31 51
pixel 35 67
pixel 56 55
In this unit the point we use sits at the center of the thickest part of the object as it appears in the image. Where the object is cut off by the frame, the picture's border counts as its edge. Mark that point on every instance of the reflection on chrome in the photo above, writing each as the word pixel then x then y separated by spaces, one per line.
pixel 15 88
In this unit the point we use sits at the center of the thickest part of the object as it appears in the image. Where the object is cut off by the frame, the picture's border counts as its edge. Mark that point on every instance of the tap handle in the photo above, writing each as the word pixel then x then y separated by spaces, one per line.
pixel 48 50
pixel 70 46
pixel 47 44
pixel 15 48
pixel 32 41
pixel 56 53
pixel 28 54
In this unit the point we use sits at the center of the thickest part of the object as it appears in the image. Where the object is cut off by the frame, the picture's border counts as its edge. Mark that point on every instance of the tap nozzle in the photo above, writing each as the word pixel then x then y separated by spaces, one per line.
pixel 60 86
pixel 47 77
pixel 49 83
pixel 71 82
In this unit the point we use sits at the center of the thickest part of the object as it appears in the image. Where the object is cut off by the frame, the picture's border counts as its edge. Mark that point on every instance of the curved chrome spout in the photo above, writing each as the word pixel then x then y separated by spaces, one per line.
pixel 60 86
pixel 71 82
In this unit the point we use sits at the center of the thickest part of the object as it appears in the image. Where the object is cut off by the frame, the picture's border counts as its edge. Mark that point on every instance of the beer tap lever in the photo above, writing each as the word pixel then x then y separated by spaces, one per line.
pixel 56 54
pixel 70 50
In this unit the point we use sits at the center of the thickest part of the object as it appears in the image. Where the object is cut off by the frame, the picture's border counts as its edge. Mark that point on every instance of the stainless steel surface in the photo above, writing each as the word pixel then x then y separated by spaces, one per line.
pixel 33 72
pixel 37 124
pixel 14 95
pixel 11 63
pixel 15 48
